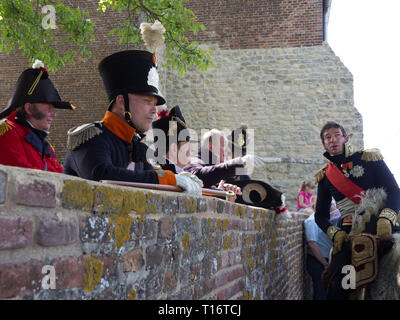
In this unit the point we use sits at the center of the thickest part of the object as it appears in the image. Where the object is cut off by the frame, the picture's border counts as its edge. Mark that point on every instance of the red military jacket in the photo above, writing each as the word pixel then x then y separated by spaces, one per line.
pixel 21 147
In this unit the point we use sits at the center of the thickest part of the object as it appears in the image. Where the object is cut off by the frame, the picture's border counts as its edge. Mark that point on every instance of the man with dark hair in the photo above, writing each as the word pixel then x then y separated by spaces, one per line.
pixel 368 199
pixel 330 125
pixel 112 149
pixel 30 113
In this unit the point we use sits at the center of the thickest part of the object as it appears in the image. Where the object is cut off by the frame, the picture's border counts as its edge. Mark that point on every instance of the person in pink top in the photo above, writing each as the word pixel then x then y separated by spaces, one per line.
pixel 304 203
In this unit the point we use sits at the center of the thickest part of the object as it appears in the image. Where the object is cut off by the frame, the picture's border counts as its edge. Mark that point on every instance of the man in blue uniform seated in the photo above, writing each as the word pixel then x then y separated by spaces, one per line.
pixel 112 149
pixel 368 199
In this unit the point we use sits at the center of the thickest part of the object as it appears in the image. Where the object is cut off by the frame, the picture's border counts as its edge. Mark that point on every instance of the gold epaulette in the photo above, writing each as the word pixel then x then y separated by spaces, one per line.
pixel 320 174
pixel 81 134
pixel 4 127
pixel 371 155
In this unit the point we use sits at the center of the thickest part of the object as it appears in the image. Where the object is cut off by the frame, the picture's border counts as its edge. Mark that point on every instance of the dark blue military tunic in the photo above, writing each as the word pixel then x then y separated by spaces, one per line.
pixel 106 157
pixel 366 169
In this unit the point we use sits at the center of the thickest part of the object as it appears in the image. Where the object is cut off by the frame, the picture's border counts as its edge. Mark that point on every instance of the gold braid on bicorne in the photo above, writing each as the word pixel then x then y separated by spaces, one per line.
pixel 179 121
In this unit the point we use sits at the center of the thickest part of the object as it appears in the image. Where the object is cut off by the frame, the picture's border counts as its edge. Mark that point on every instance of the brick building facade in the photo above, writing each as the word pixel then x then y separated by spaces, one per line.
pixel 252 24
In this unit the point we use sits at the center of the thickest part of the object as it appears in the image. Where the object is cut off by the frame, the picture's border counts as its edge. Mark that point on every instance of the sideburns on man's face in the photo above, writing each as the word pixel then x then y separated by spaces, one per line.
pixel 40 115
pixel 36 113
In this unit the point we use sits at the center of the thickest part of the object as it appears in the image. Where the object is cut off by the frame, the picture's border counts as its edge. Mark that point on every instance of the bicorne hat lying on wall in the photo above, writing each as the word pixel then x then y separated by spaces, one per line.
pixel 259 194
pixel 34 86
pixel 173 124
pixel 130 71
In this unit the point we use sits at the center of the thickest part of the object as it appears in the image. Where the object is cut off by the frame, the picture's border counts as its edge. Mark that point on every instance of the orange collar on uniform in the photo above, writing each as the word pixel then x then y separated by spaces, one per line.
pixel 118 126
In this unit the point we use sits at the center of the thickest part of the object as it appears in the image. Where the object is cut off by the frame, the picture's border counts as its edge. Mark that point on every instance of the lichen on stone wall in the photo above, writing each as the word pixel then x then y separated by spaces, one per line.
pixel 227 243
pixel 225 224
pixel 110 200
pixel 132 295
pixel 120 228
pixel 118 204
pixel 93 273
pixel 77 194
pixel 185 241
pixel 240 211
pixel 190 205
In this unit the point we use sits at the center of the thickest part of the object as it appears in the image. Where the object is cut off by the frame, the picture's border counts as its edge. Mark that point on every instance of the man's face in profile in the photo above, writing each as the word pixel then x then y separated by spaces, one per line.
pixel 40 115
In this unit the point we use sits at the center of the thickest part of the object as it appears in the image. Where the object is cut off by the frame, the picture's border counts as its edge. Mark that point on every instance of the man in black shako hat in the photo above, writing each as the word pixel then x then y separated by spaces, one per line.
pixel 26 121
pixel 111 149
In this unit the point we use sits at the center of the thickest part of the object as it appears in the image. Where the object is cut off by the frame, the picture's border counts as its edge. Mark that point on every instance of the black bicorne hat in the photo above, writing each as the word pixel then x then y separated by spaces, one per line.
pixel 178 124
pixel 34 86
pixel 130 71
pixel 258 194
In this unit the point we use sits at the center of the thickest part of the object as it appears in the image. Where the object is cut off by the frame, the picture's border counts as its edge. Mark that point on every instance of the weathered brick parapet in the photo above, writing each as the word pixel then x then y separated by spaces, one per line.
pixel 110 242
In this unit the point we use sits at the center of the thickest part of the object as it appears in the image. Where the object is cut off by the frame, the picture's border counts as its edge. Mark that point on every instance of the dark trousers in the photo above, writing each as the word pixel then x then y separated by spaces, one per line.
pixel 335 287
pixel 315 269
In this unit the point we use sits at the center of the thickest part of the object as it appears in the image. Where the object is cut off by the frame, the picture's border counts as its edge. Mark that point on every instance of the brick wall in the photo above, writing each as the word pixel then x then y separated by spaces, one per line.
pixel 118 243
pixel 238 24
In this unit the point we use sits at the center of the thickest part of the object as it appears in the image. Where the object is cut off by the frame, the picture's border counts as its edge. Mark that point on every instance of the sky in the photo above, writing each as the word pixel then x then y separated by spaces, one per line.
pixel 364 34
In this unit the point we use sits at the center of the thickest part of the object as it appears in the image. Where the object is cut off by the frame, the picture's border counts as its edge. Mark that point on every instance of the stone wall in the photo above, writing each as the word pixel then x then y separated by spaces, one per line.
pixel 284 94
pixel 110 242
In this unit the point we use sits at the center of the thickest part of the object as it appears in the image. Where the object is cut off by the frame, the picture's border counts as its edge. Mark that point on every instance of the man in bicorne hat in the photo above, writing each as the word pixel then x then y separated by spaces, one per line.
pixel 29 113
pixel 368 198
pixel 112 149
pixel 172 140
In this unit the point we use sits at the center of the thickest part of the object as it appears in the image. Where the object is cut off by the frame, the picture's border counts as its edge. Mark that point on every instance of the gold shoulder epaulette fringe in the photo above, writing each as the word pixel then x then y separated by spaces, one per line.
pixel 4 127
pixel 81 134
pixel 372 155
pixel 320 174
